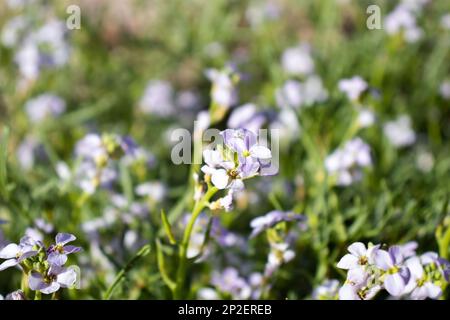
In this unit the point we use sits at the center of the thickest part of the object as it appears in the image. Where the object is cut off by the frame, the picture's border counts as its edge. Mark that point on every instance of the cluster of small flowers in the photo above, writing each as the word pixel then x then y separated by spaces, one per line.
pixel 260 12
pixel 96 155
pixel 229 284
pixel 37 47
pixel 346 163
pixel 298 62
pixel 354 88
pixel 44 106
pixel 399 132
pixel 45 267
pixel 398 270
pixel 403 19
pixel 199 249
pixel 280 242
pixel 238 158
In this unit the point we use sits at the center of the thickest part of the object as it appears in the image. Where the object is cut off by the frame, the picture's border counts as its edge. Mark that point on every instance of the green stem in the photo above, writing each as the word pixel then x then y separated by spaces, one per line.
pixel 181 272
pixel 37 295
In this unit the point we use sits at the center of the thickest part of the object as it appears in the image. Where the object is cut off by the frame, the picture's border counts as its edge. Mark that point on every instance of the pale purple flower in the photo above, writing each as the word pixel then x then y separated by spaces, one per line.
pixel 56 278
pixel 353 87
pixel 271 219
pixel 229 282
pixel 290 95
pixel 408 249
pixel 247 117
pixel 16 253
pixel 420 286
pixel 158 99
pixel 188 100
pixel 397 275
pixel 399 132
pixel 44 106
pixel 57 253
pixel 15 295
pixel 90 147
pixel 224 172
pixel 13 31
pixel 347 162
pixel 32 57
pixel 297 60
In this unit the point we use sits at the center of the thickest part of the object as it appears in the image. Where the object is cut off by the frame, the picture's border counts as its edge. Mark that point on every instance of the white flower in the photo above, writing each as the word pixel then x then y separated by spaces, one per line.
pixel 359 256
pixel 353 87
pixel 403 18
pixel 399 132
pixel 297 60
pixel 366 118
pixel 346 162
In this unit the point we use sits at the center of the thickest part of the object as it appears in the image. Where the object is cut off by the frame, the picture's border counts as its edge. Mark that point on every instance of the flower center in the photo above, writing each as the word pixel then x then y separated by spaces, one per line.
pixel 246 153
pixel 393 270
pixel 363 260
pixel 233 173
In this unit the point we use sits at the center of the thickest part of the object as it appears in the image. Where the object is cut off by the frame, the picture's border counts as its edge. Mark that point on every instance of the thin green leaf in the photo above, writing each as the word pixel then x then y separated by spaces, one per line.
pixel 122 273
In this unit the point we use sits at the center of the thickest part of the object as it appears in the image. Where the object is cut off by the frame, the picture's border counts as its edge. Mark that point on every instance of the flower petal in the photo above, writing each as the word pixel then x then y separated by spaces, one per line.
pixel 10 251
pixel 261 152
pixel 357 249
pixel 51 288
pixel 71 249
pixel 394 284
pixel 67 278
pixel 63 238
pixel 8 264
pixel 434 291
pixel 348 262
pixel 348 292
pixel 57 259
pixel 220 178
pixel 36 281
pixel 383 260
